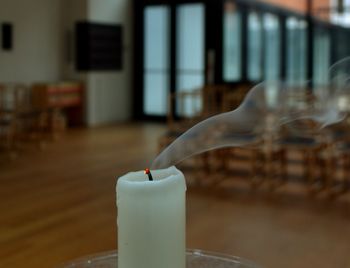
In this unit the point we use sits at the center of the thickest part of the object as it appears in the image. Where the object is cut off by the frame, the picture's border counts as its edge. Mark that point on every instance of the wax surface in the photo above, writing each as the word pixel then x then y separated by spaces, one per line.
pixel 151 219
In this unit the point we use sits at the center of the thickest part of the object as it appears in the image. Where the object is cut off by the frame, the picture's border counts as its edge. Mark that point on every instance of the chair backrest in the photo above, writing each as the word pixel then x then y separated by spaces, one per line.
pixel 184 104
pixel 233 96
pixel 2 97
pixel 189 103
pixel 8 98
pixel 23 99
pixel 15 99
pixel 213 98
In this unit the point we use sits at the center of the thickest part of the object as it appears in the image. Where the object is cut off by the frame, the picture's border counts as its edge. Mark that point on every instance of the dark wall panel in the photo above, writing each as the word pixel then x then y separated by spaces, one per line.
pixel 98 46
pixel 7 36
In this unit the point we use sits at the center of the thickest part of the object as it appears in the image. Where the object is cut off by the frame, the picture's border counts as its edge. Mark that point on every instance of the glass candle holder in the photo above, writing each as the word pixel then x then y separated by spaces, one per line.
pixel 194 259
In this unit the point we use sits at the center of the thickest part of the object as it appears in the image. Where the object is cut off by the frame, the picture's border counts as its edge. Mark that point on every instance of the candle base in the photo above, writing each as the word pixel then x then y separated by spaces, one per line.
pixel 194 259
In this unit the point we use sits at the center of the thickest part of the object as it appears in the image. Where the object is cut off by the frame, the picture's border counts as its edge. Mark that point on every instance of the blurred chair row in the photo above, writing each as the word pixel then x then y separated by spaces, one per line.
pixel 25 118
pixel 295 152
pixel 185 109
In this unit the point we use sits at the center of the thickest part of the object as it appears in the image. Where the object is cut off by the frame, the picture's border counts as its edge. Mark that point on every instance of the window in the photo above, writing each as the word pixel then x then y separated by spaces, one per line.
pixel 156 60
pixel 321 56
pixel 254 40
pixel 190 55
pixel 341 44
pixel 342 17
pixel 254 46
pixel 232 43
pixel 296 50
pixel 272 47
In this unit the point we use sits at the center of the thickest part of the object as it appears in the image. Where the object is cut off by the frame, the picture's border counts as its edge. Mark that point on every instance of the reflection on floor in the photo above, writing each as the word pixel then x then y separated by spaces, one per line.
pixel 59 204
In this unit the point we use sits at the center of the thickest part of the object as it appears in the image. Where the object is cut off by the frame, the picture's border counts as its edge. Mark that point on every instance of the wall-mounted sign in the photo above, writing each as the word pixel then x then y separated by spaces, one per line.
pixel 98 46
pixel 7 36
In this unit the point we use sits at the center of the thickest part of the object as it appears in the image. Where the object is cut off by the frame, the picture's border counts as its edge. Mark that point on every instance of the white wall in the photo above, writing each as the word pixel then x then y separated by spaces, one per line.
pixel 72 11
pixel 42 51
pixel 109 95
pixel 37 40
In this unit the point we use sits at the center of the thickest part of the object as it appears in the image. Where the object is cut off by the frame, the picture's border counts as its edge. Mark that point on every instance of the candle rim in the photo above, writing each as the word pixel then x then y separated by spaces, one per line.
pixel 136 177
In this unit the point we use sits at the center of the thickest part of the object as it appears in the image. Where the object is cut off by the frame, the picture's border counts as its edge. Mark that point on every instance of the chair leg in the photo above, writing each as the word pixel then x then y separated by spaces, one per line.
pixel 344 168
pixel 306 168
pixel 270 170
pixel 309 170
pixel 279 168
pixel 283 166
pixel 257 172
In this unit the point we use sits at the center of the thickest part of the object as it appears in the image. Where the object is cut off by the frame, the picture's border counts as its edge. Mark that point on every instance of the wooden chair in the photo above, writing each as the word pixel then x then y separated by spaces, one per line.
pixel 311 146
pixel 249 158
pixel 7 121
pixel 32 122
pixel 218 99
pixel 338 157
pixel 213 99
pixel 183 116
pixel 60 104
pixel 28 124
pixel 233 96
pixel 186 113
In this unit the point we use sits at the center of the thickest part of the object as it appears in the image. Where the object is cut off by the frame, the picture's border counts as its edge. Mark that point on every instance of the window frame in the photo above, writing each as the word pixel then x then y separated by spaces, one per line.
pixel 214 11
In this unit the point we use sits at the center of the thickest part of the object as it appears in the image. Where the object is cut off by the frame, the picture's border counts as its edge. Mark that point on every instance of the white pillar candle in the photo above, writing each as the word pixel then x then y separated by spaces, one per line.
pixel 151 219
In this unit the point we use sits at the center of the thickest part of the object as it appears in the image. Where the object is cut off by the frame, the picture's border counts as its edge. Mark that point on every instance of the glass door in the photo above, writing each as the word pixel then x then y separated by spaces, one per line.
pixel 232 38
pixel 173 56
pixel 156 72
pixel 272 47
pixel 255 46
pixel 296 50
pixel 190 63
pixel 322 56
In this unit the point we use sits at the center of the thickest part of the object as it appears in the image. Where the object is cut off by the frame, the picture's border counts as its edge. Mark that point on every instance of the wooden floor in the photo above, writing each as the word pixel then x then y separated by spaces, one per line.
pixel 59 204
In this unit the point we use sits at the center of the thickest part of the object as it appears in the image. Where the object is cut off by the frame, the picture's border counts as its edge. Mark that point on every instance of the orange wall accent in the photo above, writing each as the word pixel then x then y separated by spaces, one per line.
pixel 295 5
pixel 301 6
pixel 319 4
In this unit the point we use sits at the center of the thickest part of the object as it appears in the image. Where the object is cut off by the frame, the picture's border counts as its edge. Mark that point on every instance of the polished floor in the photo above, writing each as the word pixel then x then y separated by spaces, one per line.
pixel 59 203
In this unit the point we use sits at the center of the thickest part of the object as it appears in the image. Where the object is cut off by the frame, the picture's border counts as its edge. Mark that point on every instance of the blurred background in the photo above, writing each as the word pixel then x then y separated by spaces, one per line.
pixel 92 89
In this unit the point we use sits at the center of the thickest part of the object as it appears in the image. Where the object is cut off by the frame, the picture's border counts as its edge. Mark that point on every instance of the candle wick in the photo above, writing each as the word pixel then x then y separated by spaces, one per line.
pixel 148 172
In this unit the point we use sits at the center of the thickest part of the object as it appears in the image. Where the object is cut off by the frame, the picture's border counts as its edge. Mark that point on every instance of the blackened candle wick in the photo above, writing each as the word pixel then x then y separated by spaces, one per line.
pixel 148 172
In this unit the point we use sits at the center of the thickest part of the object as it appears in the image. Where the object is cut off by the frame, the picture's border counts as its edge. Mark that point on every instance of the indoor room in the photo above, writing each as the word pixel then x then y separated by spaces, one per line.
pixel 174 134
